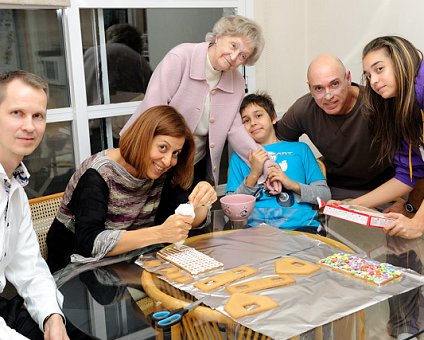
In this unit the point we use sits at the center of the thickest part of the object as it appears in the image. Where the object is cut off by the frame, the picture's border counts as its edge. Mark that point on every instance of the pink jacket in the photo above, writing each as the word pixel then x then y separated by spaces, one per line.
pixel 179 80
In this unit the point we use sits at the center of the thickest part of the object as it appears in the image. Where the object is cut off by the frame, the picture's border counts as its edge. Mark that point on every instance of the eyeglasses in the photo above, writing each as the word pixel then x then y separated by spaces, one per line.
pixel 319 92
pixel 237 48
pixel 241 56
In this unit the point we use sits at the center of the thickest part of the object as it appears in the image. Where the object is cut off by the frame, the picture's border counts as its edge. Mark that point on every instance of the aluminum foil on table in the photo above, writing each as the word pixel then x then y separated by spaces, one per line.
pixel 314 299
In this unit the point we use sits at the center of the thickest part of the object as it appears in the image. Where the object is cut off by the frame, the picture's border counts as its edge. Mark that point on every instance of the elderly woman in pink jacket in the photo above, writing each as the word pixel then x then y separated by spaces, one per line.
pixel 202 82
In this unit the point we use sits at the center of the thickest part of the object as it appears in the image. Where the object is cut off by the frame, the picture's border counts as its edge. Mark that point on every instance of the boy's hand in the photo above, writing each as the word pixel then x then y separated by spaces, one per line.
pixel 276 174
pixel 257 159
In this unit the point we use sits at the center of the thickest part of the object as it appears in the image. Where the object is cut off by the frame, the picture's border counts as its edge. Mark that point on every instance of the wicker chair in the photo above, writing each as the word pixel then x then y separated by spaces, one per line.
pixel 43 211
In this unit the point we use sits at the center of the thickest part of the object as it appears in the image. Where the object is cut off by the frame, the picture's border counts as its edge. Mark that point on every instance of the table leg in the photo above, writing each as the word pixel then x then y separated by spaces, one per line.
pixel 343 328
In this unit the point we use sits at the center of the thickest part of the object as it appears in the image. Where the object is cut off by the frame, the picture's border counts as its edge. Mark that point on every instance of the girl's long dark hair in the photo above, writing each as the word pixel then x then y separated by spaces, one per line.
pixel 395 119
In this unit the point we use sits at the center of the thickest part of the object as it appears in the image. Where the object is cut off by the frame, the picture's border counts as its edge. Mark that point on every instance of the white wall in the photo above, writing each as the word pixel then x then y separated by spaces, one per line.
pixel 298 30
pixel 282 65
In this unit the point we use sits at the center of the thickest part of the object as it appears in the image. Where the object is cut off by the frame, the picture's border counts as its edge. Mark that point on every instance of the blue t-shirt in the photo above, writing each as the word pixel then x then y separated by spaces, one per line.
pixel 299 164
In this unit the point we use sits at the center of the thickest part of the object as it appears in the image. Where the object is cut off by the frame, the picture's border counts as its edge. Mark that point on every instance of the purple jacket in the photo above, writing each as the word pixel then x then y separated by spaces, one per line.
pixel 179 80
pixel 401 164
pixel 401 159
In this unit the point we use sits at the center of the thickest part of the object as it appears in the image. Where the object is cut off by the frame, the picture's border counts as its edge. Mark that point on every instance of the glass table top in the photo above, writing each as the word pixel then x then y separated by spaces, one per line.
pixel 108 302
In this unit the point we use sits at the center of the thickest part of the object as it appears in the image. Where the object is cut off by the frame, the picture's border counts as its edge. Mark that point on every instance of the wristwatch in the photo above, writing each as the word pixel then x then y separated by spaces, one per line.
pixel 410 208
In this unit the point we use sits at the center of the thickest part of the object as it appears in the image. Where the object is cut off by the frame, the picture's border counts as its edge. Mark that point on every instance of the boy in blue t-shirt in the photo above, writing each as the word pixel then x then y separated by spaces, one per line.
pixel 294 166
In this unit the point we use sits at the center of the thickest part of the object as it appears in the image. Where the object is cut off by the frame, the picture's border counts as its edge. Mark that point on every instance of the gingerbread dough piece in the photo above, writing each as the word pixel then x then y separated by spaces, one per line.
pixel 216 281
pixel 184 279
pixel 294 266
pixel 169 270
pixel 174 276
pixel 260 284
pixel 152 263
pixel 240 305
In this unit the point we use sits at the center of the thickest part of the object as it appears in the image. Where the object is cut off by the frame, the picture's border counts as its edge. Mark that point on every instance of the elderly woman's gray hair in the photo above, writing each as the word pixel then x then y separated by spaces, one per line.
pixel 240 26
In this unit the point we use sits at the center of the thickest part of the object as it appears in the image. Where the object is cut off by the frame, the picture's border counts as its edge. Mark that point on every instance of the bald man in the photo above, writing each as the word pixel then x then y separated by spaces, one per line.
pixel 334 119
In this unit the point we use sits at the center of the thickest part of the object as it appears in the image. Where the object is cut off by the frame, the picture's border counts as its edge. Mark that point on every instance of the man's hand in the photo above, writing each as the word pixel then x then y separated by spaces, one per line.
pixel 399 207
pixel 417 194
pixel 54 328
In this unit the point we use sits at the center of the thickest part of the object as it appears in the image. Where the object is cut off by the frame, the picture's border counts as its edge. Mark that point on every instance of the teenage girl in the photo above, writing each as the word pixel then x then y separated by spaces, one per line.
pixel 394 80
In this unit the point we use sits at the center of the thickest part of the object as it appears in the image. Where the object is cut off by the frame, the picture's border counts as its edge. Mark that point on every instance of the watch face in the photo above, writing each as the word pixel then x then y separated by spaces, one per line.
pixel 409 208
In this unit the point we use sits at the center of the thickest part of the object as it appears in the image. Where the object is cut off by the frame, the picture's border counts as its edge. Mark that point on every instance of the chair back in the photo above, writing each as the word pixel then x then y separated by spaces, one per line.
pixel 43 211
pixel 322 167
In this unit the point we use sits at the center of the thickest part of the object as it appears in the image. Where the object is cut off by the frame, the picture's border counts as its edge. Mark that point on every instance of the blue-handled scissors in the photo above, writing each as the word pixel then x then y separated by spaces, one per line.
pixel 169 318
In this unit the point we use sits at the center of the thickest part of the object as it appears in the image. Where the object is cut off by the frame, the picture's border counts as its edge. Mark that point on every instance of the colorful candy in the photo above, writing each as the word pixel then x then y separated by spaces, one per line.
pixel 371 271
